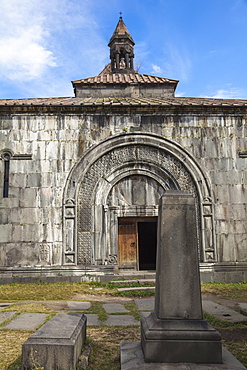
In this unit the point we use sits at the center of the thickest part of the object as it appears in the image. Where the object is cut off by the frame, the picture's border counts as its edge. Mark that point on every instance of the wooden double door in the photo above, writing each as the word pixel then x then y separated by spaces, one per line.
pixel 137 243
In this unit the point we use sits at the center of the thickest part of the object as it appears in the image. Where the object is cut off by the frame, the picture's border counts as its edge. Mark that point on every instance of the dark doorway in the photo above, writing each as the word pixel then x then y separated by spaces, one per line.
pixel 147 245
pixel 137 240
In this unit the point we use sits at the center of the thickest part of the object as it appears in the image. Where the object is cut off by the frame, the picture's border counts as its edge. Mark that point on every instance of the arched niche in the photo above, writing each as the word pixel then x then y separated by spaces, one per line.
pixel 90 215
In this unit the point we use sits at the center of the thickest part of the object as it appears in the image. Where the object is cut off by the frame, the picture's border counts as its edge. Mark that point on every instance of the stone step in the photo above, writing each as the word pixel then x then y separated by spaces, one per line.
pixel 133 281
pixel 136 288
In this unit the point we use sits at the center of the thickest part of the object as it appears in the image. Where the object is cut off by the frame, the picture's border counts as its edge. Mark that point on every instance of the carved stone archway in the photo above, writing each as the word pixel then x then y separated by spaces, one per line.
pixel 87 209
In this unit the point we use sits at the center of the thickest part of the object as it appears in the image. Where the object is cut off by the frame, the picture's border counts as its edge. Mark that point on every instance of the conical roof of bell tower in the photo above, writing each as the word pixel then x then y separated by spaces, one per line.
pixel 120 31
pixel 121 49
pixel 119 78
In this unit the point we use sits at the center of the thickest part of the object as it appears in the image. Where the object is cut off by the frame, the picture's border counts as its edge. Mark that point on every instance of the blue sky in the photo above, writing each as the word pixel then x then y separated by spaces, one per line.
pixel 45 44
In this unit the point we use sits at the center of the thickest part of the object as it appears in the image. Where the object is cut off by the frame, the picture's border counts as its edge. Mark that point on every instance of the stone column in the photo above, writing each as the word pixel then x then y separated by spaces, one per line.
pixel 176 332
pixel 117 61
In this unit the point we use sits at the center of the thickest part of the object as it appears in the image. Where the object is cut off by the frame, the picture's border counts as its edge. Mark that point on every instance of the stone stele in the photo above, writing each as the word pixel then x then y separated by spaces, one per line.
pixel 176 331
pixel 57 344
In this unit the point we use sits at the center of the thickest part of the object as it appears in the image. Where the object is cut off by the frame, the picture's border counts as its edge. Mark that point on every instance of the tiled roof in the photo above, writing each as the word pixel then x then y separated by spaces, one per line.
pixel 124 78
pixel 121 29
pixel 125 101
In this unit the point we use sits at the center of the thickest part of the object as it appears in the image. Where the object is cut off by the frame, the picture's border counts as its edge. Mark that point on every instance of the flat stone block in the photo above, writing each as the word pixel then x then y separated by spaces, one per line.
pixel 73 305
pixel 222 312
pixel 136 288
pixel 243 307
pixel 4 305
pixel 114 308
pixel 192 341
pixel 145 304
pixel 26 321
pixel 132 358
pixel 6 316
pixel 57 344
pixel 121 320
pixel 92 320
pixel 147 281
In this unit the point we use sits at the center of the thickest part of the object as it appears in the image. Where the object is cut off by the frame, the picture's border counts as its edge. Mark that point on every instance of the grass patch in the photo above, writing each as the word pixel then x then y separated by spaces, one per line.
pixel 28 307
pixel 105 342
pixel 217 323
pixel 64 291
pixel 97 309
pixel 225 290
pixel 238 349
pixel 10 348
pixel 43 291
pixel 133 310
pixel 136 293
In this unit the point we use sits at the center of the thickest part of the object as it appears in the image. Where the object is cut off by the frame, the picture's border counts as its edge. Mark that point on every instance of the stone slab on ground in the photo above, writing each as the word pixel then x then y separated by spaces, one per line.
pixel 114 308
pixel 80 306
pixel 145 304
pixel 4 305
pixel 132 359
pixel 243 308
pixel 140 281
pixel 222 312
pixel 57 344
pixel 136 288
pixel 6 316
pixel 26 321
pixel 121 320
pixel 92 320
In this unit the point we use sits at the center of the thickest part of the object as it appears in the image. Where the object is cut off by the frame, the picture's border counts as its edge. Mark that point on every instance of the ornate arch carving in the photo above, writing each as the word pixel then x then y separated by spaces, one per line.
pixel 96 173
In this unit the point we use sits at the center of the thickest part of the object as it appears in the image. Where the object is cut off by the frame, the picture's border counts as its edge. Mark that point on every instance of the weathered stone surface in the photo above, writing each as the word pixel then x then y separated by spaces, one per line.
pixel 92 320
pixel 176 332
pixel 6 316
pixel 114 308
pixel 132 358
pixel 122 320
pixel 145 304
pixel 57 344
pixel 222 312
pixel 177 291
pixel 3 305
pixel 26 321
pixel 243 307
pixel 73 305
pixel 57 140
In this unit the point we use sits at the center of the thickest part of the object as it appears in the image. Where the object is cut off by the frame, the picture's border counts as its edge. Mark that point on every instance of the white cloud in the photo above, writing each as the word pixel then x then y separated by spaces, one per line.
pixel 178 63
pixel 156 69
pixel 173 63
pixel 44 44
pixel 232 93
pixel 24 54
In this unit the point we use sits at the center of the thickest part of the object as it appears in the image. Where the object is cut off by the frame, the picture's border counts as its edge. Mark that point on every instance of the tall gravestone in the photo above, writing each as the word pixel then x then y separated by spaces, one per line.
pixel 176 332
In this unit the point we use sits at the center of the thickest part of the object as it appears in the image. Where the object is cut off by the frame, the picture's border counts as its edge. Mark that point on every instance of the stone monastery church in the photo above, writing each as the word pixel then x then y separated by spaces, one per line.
pixel 81 177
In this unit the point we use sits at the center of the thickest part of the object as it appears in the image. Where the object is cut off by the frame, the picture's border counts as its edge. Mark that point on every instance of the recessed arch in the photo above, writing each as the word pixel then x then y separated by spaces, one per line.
pixel 97 172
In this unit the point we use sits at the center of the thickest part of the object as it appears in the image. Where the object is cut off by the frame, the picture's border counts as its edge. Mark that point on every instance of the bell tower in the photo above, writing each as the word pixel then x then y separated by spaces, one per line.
pixel 121 49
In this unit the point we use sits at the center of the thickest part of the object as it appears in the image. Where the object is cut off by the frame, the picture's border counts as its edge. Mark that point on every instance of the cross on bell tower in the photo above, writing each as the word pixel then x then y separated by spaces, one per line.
pixel 121 49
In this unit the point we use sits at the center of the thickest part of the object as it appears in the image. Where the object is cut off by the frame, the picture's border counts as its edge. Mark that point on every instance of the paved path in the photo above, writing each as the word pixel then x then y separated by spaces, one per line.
pixel 116 314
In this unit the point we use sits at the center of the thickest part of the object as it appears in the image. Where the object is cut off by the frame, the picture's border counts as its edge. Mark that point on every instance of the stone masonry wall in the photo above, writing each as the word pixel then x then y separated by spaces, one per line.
pixel 31 217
